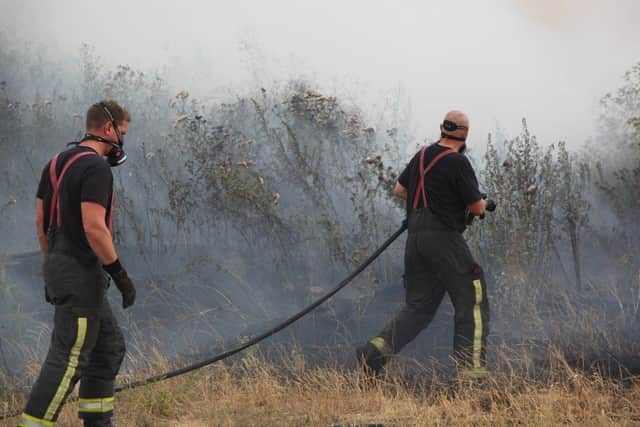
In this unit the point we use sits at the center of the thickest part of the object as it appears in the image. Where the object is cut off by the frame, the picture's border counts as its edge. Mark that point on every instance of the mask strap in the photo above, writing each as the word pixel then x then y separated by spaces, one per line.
pixel 455 138
pixel 107 112
pixel 90 136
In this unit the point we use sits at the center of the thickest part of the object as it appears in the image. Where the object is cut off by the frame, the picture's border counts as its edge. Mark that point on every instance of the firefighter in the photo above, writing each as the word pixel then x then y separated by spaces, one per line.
pixel 74 215
pixel 441 191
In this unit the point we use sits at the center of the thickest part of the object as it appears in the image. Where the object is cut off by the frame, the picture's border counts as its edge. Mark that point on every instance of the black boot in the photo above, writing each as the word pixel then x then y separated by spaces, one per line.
pixel 370 360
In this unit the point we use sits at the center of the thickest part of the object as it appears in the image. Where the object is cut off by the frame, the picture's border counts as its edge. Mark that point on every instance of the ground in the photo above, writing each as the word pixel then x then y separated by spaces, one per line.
pixel 252 392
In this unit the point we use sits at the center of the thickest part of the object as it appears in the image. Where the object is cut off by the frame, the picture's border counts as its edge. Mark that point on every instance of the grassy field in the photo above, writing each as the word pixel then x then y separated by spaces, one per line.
pixel 253 392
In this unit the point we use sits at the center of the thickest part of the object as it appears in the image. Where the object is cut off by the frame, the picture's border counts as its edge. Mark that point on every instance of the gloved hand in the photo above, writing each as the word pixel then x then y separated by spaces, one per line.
pixel 123 283
pixel 490 206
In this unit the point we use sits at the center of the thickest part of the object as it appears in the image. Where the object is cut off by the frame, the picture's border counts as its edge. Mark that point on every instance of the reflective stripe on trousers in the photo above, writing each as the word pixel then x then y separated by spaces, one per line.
pixel 65 383
pixel 29 421
pixel 477 325
pixel 381 345
pixel 99 405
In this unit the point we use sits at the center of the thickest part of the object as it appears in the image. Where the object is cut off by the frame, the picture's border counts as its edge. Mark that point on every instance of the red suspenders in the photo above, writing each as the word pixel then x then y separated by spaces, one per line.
pixel 55 213
pixel 423 172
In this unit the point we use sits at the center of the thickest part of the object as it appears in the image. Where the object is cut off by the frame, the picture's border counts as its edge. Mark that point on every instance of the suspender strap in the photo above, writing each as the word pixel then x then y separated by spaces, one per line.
pixel 420 188
pixel 55 213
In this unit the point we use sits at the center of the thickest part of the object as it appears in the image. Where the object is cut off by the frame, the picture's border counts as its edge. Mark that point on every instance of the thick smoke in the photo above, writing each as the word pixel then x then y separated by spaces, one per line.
pixel 254 182
pixel 499 61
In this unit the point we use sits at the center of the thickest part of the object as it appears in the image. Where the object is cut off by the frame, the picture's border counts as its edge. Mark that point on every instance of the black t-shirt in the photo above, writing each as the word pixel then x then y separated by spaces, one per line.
pixel 450 186
pixel 89 179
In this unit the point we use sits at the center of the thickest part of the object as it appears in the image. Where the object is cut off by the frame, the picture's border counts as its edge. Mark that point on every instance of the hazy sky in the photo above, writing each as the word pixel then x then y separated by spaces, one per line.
pixel 500 60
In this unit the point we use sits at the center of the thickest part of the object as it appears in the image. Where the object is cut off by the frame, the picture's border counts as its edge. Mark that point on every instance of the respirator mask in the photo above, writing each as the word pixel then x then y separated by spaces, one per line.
pixel 116 156
pixel 450 126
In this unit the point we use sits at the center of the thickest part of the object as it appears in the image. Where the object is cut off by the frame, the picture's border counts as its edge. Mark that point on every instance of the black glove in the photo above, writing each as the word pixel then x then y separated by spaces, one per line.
pixel 123 283
pixel 490 206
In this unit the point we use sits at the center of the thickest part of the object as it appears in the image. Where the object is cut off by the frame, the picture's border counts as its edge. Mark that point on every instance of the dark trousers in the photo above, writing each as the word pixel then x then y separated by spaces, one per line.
pixel 86 345
pixel 438 261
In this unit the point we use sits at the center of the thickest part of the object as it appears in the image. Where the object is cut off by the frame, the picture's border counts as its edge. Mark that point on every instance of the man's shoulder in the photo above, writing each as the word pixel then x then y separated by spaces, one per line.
pixel 457 159
pixel 454 158
pixel 91 162
pixel 45 169
pixel 95 161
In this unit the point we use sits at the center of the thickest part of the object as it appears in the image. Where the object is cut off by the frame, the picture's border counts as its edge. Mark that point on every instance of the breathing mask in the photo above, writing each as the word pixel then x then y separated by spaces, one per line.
pixel 116 156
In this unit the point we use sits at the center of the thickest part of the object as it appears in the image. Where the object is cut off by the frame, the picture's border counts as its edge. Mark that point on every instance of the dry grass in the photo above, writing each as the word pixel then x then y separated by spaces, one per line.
pixel 253 392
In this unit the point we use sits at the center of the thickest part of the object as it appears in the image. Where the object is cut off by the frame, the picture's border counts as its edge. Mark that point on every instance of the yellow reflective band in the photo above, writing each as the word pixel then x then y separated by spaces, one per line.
pixel 380 344
pixel 97 400
pixel 477 325
pixel 29 421
pixel 96 405
pixel 65 383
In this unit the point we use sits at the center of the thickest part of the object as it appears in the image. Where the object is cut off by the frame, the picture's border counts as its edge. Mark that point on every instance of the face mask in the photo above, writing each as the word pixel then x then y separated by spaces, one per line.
pixel 116 156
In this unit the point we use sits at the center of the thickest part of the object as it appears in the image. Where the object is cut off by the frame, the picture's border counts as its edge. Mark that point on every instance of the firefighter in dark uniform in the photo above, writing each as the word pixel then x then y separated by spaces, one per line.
pixel 441 191
pixel 74 213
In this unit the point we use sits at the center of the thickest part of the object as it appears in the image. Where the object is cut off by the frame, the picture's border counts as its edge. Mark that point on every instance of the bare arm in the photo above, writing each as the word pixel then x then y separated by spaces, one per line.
pixel 400 191
pixel 98 235
pixel 478 208
pixel 42 238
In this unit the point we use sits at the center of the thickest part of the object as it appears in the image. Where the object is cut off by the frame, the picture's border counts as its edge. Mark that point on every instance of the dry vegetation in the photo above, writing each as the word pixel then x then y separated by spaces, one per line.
pixel 214 176
pixel 253 392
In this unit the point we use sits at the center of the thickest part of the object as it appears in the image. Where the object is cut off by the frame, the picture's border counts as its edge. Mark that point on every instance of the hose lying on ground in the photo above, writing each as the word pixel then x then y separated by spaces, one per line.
pixel 257 339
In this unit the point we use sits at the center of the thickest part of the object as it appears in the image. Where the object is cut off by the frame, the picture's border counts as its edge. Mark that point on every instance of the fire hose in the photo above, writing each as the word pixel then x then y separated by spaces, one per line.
pixel 491 206
pixel 255 340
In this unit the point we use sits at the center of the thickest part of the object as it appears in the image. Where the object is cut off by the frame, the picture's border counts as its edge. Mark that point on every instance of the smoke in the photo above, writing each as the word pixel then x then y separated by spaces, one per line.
pixel 395 69
pixel 575 16
pixel 499 61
